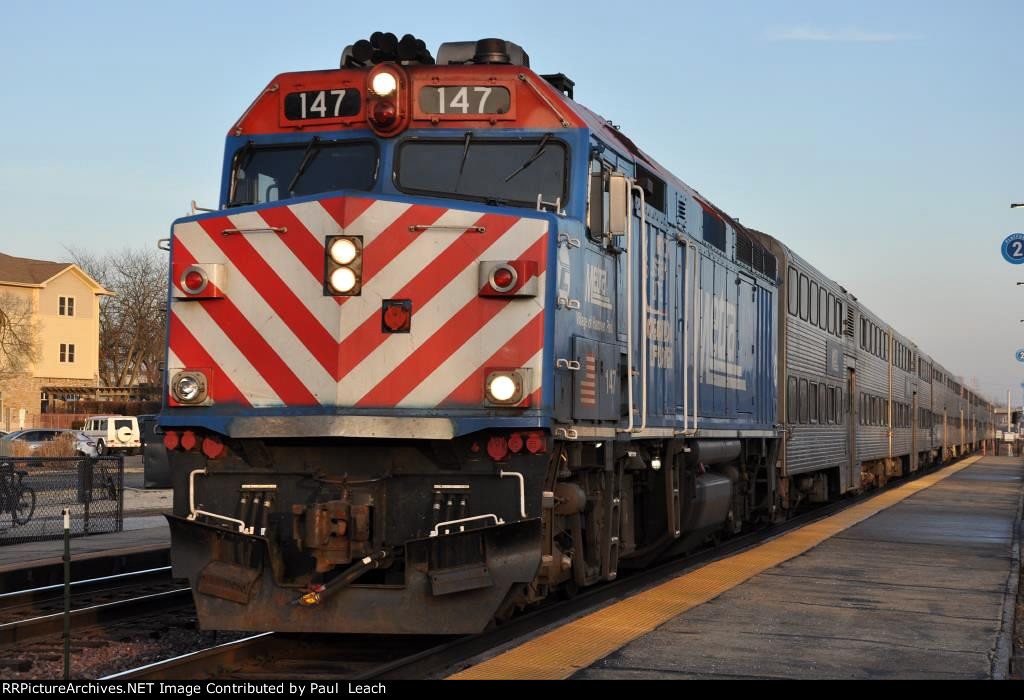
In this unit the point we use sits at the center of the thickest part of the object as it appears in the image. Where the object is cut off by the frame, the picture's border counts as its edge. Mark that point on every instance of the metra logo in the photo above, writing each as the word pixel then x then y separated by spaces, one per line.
pixel 597 287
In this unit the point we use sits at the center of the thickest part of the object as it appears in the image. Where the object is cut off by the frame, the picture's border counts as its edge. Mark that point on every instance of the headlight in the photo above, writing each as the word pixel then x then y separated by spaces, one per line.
pixel 343 280
pixel 343 270
pixel 502 388
pixel 343 251
pixel 384 84
pixel 189 387
pixel 505 387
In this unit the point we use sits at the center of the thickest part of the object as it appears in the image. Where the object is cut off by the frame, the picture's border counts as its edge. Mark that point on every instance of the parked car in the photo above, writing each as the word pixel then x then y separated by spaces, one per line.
pixel 36 439
pixel 114 433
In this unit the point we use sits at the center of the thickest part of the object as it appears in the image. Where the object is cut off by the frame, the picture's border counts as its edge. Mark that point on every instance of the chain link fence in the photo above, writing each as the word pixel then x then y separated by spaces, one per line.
pixel 34 491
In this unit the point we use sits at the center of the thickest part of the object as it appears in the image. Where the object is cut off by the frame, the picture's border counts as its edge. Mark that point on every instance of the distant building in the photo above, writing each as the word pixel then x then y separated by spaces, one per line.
pixel 65 305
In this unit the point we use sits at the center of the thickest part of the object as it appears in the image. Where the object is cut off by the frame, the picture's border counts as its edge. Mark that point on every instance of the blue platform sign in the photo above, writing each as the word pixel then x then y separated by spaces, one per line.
pixel 1020 357
pixel 1013 249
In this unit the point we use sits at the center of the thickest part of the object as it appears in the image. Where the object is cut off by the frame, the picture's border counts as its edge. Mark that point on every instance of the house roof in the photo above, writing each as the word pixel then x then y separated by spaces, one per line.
pixel 27 271
pixel 36 273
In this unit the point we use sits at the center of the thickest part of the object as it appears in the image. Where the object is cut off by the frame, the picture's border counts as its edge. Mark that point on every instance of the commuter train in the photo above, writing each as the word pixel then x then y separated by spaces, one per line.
pixel 451 343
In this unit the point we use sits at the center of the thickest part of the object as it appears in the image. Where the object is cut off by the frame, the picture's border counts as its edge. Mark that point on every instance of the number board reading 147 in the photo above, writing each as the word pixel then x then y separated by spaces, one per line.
pixel 321 104
pixel 464 99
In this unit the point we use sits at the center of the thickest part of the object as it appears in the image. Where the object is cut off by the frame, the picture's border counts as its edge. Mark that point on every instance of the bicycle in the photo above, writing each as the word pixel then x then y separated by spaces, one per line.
pixel 15 497
pixel 108 482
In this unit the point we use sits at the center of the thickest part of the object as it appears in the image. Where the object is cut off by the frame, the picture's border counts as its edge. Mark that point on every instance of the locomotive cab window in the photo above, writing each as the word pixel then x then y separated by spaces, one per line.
pixel 500 172
pixel 264 174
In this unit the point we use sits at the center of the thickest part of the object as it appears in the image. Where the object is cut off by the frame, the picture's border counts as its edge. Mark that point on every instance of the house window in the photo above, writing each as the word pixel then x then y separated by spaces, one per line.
pixel 67 352
pixel 66 306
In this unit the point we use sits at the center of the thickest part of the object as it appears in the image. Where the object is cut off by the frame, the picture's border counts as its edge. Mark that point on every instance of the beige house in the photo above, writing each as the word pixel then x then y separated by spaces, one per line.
pixel 64 303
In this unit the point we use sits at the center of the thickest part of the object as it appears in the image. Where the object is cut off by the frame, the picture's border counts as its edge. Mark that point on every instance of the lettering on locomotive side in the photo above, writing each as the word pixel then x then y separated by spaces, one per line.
pixel 659 338
pixel 722 370
pixel 597 287
pixel 590 323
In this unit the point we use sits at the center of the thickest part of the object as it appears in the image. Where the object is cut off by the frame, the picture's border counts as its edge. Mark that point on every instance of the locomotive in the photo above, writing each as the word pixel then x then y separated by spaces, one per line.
pixel 452 343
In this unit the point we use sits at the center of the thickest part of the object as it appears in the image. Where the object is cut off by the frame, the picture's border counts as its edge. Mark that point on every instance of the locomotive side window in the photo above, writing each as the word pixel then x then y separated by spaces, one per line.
pixel 597 201
pixel 813 399
pixel 803 400
pixel 494 171
pixel 653 187
pixel 270 173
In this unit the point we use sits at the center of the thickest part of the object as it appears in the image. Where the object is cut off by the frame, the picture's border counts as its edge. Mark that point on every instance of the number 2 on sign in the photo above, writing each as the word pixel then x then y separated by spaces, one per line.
pixel 1017 249
pixel 460 100
pixel 320 103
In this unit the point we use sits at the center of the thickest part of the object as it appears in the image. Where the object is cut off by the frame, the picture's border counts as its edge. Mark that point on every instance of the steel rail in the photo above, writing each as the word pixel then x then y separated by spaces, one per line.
pixel 93 615
pixel 92 586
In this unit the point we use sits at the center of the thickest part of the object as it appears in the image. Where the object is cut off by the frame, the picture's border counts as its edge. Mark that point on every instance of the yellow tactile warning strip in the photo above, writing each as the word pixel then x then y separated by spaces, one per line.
pixel 560 653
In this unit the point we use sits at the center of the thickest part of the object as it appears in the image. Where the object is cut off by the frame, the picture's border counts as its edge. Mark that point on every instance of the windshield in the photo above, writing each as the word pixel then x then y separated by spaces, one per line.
pixel 500 172
pixel 271 173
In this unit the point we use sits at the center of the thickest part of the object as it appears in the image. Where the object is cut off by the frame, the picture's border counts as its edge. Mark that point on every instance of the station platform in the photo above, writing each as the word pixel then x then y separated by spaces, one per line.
pixel 28 556
pixel 918 582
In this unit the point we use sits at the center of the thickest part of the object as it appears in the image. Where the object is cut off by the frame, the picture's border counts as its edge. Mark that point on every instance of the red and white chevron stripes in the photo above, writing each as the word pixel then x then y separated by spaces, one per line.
pixel 276 340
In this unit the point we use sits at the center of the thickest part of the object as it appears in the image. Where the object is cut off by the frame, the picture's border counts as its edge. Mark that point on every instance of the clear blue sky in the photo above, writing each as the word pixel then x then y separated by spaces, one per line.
pixel 881 140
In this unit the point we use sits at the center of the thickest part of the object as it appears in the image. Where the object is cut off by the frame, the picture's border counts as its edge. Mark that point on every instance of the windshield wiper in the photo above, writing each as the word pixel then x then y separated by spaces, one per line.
pixel 529 161
pixel 311 150
pixel 242 160
pixel 462 165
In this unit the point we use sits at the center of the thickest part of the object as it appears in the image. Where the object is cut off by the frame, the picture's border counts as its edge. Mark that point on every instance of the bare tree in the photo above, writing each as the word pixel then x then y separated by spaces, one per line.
pixel 19 335
pixel 133 322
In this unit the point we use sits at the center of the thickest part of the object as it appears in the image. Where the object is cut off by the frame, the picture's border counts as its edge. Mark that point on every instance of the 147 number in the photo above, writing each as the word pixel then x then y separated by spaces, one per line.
pixel 319 104
pixel 460 100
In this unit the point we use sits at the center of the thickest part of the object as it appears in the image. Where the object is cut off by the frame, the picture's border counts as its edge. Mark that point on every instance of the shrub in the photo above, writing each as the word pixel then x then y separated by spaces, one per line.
pixel 63 446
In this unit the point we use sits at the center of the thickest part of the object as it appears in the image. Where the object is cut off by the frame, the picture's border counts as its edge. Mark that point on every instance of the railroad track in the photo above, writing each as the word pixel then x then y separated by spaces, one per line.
pixel 273 655
pixel 38 612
